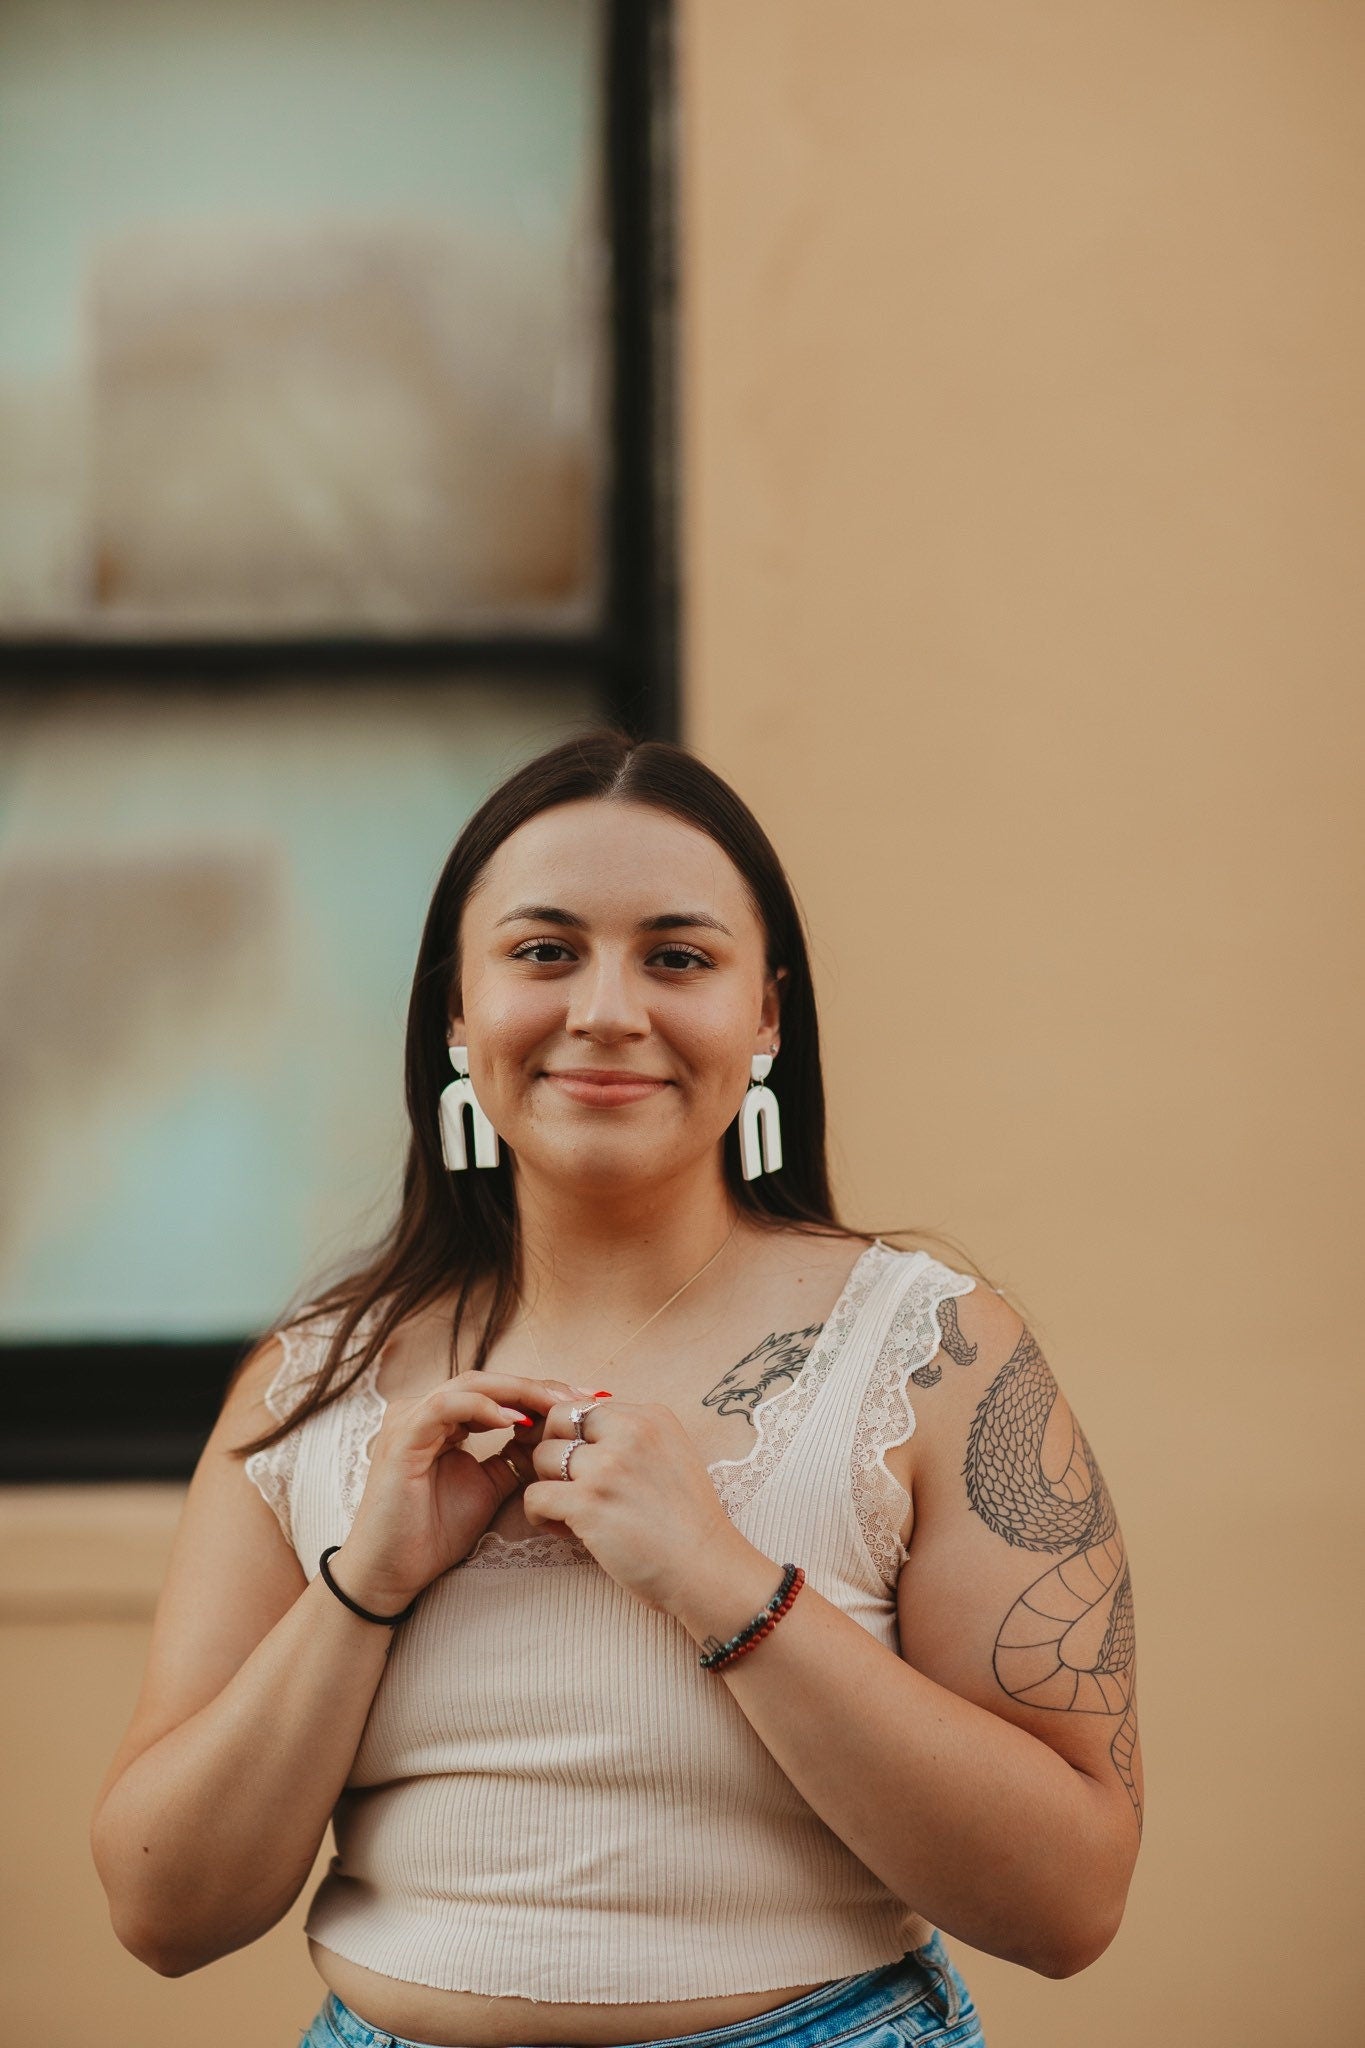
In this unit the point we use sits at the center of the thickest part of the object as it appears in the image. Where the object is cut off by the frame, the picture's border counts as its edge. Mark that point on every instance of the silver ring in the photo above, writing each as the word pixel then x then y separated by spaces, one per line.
pixel 576 1417
pixel 570 1447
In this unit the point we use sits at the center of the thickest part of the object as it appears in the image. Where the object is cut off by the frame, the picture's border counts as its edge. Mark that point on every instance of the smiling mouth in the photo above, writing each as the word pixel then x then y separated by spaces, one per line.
pixel 603 1090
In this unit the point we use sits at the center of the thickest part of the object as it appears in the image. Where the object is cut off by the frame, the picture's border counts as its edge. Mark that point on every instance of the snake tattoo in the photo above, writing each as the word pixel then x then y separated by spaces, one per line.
pixel 1068 1642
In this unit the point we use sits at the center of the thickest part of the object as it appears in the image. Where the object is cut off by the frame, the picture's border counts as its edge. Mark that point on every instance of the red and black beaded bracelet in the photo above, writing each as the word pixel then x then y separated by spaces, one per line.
pixel 719 1657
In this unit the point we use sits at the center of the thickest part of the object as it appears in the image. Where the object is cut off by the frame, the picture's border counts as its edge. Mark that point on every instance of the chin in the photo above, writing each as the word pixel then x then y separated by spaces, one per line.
pixel 604 1169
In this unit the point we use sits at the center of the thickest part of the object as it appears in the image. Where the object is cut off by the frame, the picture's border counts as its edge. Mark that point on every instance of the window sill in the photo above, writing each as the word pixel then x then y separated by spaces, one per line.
pixel 86 1553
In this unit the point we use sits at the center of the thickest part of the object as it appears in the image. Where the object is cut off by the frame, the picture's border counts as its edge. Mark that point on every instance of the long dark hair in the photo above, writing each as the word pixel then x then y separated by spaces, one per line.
pixel 463 1227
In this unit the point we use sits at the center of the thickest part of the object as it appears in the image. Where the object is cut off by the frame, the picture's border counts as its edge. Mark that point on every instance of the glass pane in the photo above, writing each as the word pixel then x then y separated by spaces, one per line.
pixel 210 906
pixel 302 328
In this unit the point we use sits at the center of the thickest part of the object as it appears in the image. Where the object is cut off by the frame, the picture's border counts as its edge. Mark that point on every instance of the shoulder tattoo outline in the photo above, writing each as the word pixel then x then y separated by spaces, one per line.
pixel 1068 1642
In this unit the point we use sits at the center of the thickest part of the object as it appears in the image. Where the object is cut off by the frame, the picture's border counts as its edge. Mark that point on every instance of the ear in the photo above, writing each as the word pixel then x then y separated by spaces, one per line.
pixel 772 1010
pixel 455 1032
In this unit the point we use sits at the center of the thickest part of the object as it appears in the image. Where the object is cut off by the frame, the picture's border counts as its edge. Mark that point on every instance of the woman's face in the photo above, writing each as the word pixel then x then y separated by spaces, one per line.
pixel 614 991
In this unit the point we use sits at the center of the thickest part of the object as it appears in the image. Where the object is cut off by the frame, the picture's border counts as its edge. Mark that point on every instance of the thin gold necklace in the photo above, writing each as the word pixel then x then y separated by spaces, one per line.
pixel 608 1362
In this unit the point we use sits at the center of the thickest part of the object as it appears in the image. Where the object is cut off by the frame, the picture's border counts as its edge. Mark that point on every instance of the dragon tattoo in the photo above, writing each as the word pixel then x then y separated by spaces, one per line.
pixel 1068 1642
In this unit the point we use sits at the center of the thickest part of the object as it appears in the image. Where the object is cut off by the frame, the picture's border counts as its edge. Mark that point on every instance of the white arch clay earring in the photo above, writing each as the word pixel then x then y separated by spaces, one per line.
pixel 455 1099
pixel 760 1125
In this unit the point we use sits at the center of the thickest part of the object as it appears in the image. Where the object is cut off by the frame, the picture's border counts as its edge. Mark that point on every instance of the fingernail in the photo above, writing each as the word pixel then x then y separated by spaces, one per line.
pixel 602 1394
pixel 524 1422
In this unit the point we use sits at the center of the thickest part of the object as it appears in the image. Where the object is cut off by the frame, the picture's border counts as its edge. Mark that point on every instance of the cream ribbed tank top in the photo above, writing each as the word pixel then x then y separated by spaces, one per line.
pixel 551 1799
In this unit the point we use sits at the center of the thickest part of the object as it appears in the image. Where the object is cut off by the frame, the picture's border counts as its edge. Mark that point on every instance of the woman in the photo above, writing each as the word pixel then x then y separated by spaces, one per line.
pixel 663 1672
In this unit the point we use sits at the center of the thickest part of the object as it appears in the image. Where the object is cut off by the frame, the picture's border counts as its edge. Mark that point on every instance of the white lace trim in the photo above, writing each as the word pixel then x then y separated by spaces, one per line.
pixel 777 1418
pixel 736 1480
pixel 522 1552
pixel 273 1469
pixel 365 1407
pixel 886 1417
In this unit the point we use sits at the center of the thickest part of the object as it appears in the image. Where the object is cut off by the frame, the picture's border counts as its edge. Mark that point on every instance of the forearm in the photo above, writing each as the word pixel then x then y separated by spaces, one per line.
pixel 207 1837
pixel 967 1818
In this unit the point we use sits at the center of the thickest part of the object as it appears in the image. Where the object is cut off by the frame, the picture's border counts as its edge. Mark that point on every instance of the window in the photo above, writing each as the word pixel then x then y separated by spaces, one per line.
pixel 335 378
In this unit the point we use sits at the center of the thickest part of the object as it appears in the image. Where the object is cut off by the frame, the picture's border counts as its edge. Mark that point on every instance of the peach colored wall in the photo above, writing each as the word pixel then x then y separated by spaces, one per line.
pixel 1022 422
pixel 1024 475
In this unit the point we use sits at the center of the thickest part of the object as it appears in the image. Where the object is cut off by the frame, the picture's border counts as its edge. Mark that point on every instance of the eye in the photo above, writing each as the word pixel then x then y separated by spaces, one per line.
pixel 538 946
pixel 686 955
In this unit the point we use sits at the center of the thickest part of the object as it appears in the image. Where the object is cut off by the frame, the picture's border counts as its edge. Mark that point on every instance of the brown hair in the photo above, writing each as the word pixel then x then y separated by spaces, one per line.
pixel 462 1227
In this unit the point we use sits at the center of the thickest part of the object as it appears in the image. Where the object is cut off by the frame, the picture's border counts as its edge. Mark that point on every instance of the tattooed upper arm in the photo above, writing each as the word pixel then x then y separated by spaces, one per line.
pixel 1016 1591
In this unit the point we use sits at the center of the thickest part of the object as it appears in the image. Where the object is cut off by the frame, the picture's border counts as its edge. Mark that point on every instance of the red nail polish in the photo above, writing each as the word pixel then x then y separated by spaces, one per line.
pixel 524 1422
pixel 602 1394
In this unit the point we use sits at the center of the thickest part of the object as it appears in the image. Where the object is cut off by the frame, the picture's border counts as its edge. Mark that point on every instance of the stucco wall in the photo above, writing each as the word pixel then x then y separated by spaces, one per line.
pixel 1023 521
pixel 1023 467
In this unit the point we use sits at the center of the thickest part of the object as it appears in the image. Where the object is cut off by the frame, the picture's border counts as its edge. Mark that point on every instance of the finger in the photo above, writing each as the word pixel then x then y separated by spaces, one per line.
pixel 541 1503
pixel 515 1389
pixel 548 1459
pixel 505 1472
pixel 559 1419
pixel 450 1418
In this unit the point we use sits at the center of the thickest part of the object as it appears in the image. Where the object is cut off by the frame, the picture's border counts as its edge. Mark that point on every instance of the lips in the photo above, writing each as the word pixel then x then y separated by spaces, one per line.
pixel 605 1088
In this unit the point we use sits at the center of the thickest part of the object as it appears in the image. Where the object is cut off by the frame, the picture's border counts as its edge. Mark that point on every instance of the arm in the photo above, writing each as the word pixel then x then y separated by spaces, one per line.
pixel 1010 1821
pixel 259 1683
pixel 255 1696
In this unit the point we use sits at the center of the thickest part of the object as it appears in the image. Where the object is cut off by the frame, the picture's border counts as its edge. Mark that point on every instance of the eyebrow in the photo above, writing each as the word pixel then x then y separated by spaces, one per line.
pixel 667 921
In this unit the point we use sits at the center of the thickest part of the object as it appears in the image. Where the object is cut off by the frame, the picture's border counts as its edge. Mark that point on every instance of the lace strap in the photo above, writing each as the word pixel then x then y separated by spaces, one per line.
pixel 361 1419
pixel 886 1417
pixel 780 1417
pixel 299 1357
pixel 273 1471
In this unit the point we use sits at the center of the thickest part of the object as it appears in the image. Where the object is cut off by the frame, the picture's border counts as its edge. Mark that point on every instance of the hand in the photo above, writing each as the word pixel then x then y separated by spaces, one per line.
pixel 427 1500
pixel 638 1496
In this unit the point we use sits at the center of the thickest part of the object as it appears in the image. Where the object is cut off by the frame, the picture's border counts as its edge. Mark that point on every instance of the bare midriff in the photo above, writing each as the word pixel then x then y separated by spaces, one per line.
pixel 468 2019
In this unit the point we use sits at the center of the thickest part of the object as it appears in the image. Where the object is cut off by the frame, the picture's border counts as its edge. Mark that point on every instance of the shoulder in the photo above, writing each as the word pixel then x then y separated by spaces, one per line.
pixel 277 1372
pixel 949 1334
pixel 249 1404
pixel 978 1325
pixel 985 1361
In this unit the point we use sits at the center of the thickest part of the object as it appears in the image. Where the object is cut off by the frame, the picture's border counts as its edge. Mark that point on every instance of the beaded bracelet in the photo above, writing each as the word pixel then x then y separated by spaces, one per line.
pixel 722 1655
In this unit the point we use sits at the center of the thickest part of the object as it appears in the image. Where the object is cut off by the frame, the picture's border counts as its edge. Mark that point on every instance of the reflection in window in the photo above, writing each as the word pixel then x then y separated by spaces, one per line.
pixel 303 329
pixel 210 906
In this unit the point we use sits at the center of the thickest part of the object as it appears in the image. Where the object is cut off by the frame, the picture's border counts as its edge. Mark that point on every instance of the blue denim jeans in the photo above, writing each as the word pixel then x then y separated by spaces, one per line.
pixel 920 2000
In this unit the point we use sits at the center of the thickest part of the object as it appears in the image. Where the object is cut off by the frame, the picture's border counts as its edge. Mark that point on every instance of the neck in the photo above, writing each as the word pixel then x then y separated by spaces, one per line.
pixel 606 1260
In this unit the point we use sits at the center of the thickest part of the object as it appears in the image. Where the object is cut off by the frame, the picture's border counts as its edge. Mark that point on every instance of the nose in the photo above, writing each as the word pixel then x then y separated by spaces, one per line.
pixel 606 1002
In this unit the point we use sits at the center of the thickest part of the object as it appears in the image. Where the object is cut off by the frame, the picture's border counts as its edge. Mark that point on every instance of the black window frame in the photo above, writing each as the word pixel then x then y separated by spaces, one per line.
pixel 96 1411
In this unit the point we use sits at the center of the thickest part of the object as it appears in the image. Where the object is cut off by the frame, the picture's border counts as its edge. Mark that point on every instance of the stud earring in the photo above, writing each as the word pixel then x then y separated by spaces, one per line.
pixel 455 1099
pixel 760 1126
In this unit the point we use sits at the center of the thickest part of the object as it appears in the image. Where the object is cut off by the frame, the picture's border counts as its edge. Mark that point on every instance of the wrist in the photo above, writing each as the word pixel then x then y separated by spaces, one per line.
pixel 726 1587
pixel 366 1586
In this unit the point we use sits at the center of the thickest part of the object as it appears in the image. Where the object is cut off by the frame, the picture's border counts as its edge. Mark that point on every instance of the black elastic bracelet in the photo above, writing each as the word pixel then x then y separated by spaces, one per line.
pixel 718 1655
pixel 386 1620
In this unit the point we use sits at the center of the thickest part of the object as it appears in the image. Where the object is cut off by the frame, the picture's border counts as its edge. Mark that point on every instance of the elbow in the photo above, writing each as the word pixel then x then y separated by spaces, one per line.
pixel 1097 1911
pixel 1085 1948
pixel 132 1929
pixel 178 1952
pixel 146 1949
pixel 167 1966
pixel 170 1958
pixel 1085 1941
